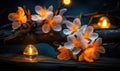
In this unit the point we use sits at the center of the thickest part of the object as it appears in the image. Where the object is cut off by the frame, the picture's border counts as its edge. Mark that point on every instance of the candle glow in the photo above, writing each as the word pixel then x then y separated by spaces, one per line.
pixel 67 2
pixel 104 22
pixel 30 50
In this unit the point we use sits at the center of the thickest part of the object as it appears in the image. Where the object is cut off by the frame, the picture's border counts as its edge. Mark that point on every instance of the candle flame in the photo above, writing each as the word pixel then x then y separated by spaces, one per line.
pixel 30 50
pixel 67 2
pixel 104 22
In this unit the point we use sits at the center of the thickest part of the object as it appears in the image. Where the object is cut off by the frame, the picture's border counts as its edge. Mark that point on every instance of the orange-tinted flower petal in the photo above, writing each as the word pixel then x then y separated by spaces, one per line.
pixel 38 9
pixel 12 16
pixel 65 54
pixel 89 30
pixel 62 11
pixel 45 28
pixel 15 25
pixel 50 8
pixel 88 59
pixel 81 57
pixel 77 22
pixel 20 11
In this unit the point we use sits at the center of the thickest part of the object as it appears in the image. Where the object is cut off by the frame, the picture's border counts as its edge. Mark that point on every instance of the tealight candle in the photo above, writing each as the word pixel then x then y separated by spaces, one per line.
pixel 104 23
pixel 30 51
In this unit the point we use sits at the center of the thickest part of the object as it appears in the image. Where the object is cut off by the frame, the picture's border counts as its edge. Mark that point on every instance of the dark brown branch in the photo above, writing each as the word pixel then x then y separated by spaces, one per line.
pixel 60 5
pixel 18 33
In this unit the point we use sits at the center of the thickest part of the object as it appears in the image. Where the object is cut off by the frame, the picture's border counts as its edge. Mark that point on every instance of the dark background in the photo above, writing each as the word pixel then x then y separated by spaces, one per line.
pixel 77 7
pixel 110 7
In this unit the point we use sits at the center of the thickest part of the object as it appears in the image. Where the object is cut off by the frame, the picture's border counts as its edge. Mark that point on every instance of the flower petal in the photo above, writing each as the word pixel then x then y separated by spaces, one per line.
pixel 45 28
pixel 81 57
pixel 15 25
pixel 98 41
pixel 62 11
pixel 38 9
pixel 57 19
pixel 49 15
pixel 68 45
pixel 12 16
pixel 60 48
pixel 24 19
pixel 50 8
pixel 77 22
pixel 89 30
pixel 69 24
pixel 70 38
pixel 76 51
pixel 79 35
pixel 64 55
pixel 88 59
pixel 83 28
pixel 84 43
pixel 56 27
pixel 36 18
pixel 67 32
pixel 94 36
pixel 20 11
pixel 101 49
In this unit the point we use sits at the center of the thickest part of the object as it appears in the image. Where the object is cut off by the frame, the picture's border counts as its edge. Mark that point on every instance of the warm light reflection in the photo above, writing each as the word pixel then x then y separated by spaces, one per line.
pixel 67 2
pixel 30 50
pixel 43 12
pixel 74 29
pixel 104 22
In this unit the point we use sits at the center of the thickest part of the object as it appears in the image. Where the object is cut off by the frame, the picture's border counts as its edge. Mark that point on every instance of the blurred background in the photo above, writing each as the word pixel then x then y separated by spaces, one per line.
pixel 111 7
pixel 78 6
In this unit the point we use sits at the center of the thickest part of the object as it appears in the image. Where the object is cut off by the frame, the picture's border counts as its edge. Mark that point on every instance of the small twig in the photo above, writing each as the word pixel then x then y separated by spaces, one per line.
pixel 93 15
pixel 60 5
pixel 90 21
pixel 4 26
pixel 18 33
pixel 81 16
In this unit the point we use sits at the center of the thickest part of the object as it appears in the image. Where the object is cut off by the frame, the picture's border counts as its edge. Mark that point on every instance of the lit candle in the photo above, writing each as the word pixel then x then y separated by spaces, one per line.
pixel 66 2
pixel 104 23
pixel 30 51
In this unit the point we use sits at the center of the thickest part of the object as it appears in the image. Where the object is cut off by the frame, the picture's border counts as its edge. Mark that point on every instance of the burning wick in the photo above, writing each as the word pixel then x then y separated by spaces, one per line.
pixel 67 2
pixel 104 22
pixel 30 52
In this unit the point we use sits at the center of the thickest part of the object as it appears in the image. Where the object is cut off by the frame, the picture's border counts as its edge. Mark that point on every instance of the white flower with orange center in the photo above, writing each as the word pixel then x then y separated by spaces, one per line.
pixel 92 52
pixel 89 35
pixel 76 43
pixel 43 13
pixel 72 27
pixel 52 23
pixel 19 18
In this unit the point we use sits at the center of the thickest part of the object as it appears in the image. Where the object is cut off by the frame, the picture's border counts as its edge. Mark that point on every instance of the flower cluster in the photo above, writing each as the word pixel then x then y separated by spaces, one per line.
pixel 81 39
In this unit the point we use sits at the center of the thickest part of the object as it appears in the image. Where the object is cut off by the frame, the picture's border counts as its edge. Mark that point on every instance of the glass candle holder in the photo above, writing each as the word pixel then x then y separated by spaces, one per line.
pixel 30 52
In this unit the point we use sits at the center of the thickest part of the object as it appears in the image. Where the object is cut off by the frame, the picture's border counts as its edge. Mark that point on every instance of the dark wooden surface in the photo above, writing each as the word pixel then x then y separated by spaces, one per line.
pixel 18 62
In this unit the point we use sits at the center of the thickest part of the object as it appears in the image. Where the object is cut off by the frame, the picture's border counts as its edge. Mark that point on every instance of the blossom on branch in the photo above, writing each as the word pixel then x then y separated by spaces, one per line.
pixel 92 52
pixel 42 13
pixel 54 23
pixel 90 35
pixel 73 27
pixel 19 18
